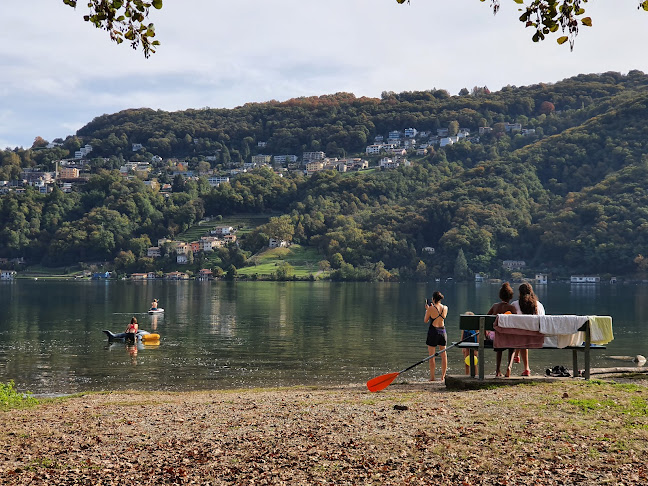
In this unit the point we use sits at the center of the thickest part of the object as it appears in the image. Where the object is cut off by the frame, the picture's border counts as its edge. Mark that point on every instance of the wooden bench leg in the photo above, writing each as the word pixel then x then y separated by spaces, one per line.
pixel 588 344
pixel 482 337
pixel 472 363
pixel 575 363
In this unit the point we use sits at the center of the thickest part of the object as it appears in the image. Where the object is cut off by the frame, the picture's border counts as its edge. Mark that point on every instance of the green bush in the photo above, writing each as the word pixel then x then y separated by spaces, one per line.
pixel 10 398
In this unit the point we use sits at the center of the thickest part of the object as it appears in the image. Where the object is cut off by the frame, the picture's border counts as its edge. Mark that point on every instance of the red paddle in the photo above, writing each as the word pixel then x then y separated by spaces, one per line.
pixel 383 381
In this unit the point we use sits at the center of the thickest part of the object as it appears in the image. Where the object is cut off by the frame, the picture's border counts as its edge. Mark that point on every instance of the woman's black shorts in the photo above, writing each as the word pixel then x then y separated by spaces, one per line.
pixel 436 336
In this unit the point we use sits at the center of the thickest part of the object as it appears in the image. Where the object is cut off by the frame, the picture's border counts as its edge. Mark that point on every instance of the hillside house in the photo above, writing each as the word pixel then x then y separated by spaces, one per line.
pixel 397 151
pixel 374 149
pixel 68 173
pixel 513 264
pixel 154 252
pixel 221 230
pixel 208 243
pixel 205 274
pixel 176 276
pixel 312 167
pixel 312 156
pixel 80 154
pixel 387 163
pixel 283 159
pixel 276 243
pixel 261 159
pixel 448 141
pixel 585 279
pixel 215 181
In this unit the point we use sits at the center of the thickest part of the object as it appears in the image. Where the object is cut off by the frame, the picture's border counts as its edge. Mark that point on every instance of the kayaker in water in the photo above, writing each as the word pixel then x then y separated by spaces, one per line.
pixel 154 304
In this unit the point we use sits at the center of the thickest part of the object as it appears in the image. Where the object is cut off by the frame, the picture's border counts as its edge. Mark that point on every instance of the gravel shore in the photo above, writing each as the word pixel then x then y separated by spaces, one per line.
pixel 569 432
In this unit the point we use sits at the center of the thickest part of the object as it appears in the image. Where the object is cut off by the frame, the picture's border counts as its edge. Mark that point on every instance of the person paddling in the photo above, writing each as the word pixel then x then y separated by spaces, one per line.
pixel 154 304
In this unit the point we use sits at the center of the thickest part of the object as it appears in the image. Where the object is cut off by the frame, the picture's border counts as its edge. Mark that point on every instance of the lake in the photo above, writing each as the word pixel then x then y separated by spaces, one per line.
pixel 223 335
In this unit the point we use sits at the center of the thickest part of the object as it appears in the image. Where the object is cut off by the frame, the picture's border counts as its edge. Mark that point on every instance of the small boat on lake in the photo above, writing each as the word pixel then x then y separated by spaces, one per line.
pixel 156 311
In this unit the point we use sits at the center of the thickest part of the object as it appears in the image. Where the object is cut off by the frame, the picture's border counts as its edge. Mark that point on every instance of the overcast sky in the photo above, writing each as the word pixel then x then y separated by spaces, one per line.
pixel 57 72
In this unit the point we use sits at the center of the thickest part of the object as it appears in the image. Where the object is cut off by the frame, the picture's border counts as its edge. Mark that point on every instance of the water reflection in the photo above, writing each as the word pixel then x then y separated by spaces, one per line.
pixel 247 334
pixel 132 352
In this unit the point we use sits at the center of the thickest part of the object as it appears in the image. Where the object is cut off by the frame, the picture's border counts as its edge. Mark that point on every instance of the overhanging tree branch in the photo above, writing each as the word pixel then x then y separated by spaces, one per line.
pixel 548 16
pixel 124 20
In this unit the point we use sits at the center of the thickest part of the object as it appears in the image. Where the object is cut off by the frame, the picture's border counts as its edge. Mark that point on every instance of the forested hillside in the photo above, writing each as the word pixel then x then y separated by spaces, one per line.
pixel 569 198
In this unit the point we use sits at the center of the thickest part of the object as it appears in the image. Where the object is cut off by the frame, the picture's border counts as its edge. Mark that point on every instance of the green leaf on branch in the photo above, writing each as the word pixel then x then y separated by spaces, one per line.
pixel 562 39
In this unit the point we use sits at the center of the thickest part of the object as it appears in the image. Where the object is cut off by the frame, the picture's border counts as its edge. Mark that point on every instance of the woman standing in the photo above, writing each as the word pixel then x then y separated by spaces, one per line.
pixel 435 315
pixel 527 303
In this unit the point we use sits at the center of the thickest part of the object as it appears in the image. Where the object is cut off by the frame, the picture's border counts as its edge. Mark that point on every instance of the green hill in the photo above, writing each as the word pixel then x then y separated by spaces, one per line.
pixel 557 178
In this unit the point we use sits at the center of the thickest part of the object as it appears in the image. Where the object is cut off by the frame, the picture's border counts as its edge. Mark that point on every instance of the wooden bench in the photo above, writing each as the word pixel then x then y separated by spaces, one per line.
pixel 483 323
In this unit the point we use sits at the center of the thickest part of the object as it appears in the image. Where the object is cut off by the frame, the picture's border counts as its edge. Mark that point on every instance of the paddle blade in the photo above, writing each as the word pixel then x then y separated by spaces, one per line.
pixel 381 382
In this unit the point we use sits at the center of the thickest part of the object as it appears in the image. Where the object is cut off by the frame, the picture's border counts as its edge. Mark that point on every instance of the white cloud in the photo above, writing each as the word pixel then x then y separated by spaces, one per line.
pixel 57 72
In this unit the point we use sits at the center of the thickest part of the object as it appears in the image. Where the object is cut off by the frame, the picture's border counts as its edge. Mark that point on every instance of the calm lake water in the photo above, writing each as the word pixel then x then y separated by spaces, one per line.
pixel 218 335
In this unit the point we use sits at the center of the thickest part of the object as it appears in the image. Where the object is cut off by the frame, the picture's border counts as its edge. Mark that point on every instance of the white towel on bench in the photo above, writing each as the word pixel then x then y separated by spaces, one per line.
pixel 562 331
pixel 564 340
pixel 556 325
pixel 519 321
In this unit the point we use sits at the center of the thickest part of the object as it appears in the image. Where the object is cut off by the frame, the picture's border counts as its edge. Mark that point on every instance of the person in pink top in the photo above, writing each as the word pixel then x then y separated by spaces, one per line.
pixel 527 303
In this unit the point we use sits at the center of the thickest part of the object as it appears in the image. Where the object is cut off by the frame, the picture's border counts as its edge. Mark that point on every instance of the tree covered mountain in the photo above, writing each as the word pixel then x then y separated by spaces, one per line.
pixel 569 198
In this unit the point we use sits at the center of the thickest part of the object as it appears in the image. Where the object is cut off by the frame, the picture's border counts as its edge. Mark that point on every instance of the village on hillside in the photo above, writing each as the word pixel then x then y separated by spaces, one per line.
pixel 384 153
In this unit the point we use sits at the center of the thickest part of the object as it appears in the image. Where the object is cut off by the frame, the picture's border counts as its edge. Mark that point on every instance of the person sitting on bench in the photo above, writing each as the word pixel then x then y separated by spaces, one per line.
pixel 503 307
